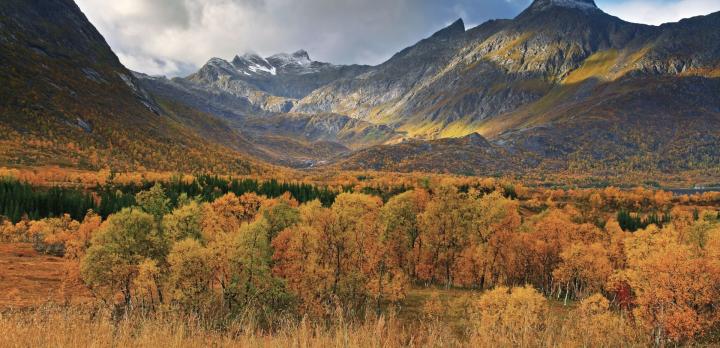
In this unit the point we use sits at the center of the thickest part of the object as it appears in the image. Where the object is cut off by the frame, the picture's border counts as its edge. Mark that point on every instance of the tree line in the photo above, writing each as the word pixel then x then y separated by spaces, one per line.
pixel 20 200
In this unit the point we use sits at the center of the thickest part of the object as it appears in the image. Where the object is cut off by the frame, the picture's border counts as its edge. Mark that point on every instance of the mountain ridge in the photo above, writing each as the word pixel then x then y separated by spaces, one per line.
pixel 518 81
pixel 555 58
pixel 562 87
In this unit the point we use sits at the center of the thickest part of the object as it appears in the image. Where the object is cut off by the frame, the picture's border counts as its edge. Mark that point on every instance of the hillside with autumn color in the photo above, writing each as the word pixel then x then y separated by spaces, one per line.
pixel 66 100
pixel 551 180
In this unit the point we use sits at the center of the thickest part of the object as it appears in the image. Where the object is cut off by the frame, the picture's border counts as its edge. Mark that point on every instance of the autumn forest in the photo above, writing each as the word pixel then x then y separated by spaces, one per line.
pixel 417 260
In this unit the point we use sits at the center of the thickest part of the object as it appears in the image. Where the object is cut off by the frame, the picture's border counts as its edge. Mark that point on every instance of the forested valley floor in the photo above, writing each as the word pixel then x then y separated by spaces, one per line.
pixel 358 260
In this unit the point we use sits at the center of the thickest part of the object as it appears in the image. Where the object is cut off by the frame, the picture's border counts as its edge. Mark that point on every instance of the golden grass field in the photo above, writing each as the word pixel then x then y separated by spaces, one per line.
pixel 29 279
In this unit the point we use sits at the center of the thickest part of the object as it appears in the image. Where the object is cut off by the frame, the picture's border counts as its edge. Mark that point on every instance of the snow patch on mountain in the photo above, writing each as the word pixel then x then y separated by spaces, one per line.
pixel 256 68
pixel 251 64
pixel 301 58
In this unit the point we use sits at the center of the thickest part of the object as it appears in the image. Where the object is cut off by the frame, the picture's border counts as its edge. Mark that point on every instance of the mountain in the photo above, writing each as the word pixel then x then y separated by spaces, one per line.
pixel 561 88
pixel 271 84
pixel 65 99
pixel 254 95
pixel 365 95
pixel 464 77
pixel 563 82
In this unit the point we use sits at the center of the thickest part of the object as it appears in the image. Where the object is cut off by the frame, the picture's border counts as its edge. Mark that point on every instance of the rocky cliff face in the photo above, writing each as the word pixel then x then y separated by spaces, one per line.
pixel 360 96
pixel 470 76
pixel 255 94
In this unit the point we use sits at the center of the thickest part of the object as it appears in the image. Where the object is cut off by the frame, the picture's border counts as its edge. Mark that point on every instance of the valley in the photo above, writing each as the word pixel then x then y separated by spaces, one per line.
pixel 542 180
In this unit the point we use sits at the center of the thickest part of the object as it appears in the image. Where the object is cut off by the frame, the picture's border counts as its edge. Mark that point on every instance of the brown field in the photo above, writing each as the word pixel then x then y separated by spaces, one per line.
pixel 29 279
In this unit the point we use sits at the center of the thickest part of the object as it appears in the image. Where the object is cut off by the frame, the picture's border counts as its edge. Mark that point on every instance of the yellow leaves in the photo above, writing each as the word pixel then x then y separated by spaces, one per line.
pixel 338 256
pixel 510 315
pixel 351 208
pixel 494 213
pixel 296 259
pixel 14 233
pixel 77 243
pixel 675 283
pixel 49 235
pixel 184 222
pixel 471 266
pixel 146 283
pixel 227 213
pixel 593 322
pixel 595 305
pixel 445 225
pixel 389 285
pixel 190 274
pixel 359 254
pixel 583 269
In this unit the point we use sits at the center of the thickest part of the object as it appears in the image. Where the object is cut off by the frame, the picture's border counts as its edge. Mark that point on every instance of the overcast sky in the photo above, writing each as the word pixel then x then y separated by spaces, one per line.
pixel 175 37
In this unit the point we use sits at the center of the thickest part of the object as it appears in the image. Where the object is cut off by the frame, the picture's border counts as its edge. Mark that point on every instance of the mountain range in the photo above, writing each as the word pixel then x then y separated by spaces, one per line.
pixel 561 88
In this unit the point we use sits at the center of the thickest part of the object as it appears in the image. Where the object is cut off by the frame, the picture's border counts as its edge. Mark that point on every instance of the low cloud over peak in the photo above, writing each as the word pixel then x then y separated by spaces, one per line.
pixel 174 37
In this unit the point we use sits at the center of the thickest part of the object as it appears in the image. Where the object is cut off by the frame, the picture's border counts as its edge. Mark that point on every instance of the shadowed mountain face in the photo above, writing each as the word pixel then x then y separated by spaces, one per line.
pixel 561 87
pixel 65 99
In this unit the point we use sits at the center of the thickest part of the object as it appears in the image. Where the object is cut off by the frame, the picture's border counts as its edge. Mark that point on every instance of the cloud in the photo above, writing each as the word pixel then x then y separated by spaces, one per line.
pixel 657 12
pixel 175 37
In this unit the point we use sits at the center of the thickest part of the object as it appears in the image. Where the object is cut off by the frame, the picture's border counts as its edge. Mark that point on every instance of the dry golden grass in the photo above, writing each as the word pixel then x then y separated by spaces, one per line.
pixel 75 328
pixel 430 317
pixel 599 66
pixel 30 279
pixel 56 327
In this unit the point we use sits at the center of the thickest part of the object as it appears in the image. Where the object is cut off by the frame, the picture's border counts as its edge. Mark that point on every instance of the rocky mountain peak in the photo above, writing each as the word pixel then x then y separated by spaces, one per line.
pixel 252 64
pixel 457 27
pixel 217 67
pixel 301 55
pixel 299 58
pixel 585 5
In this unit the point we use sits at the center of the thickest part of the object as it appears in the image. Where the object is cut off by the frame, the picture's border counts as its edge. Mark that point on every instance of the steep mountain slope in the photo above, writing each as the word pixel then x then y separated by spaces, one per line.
pixel 484 72
pixel 359 96
pixel 65 99
pixel 563 87
pixel 295 140
pixel 571 87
